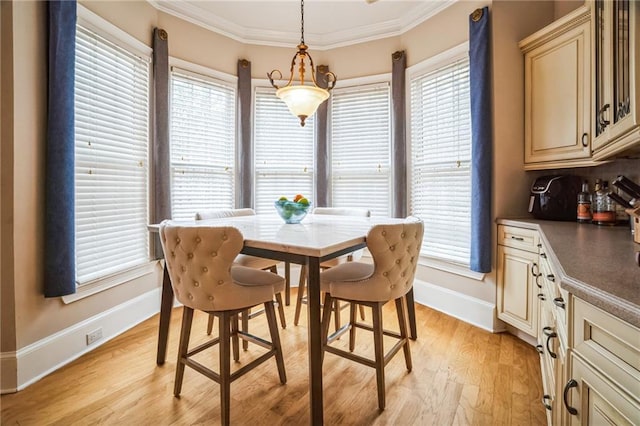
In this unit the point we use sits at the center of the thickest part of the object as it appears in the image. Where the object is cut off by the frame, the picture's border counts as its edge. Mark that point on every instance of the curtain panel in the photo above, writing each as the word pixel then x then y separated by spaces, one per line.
pixel 244 191
pixel 399 134
pixel 323 173
pixel 161 150
pixel 481 139
pixel 59 225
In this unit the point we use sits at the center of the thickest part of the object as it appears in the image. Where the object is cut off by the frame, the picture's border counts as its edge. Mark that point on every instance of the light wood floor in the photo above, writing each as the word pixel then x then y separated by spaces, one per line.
pixel 461 375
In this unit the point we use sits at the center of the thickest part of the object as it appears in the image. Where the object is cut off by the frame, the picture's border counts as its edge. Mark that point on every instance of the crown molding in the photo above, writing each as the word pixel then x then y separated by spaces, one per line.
pixel 189 11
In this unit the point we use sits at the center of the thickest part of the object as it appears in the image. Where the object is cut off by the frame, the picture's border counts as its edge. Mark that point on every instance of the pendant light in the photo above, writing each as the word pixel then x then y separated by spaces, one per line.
pixel 302 99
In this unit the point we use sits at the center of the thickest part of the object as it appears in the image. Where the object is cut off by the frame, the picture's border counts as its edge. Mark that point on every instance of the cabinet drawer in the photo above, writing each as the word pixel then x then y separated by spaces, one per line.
pixel 524 239
pixel 610 344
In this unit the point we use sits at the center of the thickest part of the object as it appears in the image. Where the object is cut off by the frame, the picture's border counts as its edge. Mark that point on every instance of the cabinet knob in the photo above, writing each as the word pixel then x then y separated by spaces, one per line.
pixel 551 277
pixel 540 349
pixel 541 296
pixel 546 398
pixel 565 396
pixel 559 302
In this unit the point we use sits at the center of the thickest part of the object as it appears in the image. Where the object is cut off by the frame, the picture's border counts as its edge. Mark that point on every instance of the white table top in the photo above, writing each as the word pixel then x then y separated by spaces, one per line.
pixel 316 235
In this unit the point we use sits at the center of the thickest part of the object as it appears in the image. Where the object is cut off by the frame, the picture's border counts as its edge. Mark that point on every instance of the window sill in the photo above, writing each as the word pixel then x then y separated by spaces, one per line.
pixel 452 268
pixel 101 284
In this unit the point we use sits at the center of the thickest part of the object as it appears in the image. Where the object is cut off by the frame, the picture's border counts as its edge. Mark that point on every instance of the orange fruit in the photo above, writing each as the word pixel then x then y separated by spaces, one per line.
pixel 298 197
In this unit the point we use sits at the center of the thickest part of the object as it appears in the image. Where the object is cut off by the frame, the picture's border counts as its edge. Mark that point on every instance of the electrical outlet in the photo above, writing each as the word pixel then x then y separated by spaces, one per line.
pixel 94 336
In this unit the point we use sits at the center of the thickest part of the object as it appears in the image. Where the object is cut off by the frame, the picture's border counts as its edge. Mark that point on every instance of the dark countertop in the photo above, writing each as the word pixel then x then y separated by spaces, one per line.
pixel 596 264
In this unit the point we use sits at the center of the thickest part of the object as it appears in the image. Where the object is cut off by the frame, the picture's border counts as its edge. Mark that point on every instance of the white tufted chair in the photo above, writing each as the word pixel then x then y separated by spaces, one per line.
pixel 200 264
pixel 248 261
pixel 395 249
pixel 356 255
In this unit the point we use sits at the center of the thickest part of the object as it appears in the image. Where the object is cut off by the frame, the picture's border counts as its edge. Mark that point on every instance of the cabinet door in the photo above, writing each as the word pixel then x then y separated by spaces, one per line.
pixel 557 96
pixel 591 399
pixel 616 88
pixel 517 302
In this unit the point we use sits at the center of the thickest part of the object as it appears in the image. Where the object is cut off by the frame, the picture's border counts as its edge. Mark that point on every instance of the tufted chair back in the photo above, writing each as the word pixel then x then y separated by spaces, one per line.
pixel 395 249
pixel 199 260
pixel 222 213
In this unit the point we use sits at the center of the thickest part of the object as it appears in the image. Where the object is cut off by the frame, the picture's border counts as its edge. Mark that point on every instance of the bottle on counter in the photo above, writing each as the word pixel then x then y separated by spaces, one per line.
pixel 604 213
pixel 584 204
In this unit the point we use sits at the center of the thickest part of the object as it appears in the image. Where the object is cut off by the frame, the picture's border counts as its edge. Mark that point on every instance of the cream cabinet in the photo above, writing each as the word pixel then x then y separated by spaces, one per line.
pixel 616 89
pixel 603 381
pixel 518 272
pixel 557 71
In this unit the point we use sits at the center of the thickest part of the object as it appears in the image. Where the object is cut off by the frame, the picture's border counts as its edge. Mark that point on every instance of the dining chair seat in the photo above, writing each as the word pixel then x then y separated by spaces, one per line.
pixel 199 261
pixel 395 249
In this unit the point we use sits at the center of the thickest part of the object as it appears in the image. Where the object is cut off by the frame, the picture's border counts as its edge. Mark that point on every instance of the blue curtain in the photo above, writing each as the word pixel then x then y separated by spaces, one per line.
pixel 59 226
pixel 481 139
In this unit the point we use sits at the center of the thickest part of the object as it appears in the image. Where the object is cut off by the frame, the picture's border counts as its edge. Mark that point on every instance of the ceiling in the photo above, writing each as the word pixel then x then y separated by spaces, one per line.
pixel 327 23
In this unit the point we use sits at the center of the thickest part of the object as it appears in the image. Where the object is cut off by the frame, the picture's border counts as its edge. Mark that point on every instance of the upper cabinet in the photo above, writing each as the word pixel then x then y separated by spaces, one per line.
pixel 557 70
pixel 616 91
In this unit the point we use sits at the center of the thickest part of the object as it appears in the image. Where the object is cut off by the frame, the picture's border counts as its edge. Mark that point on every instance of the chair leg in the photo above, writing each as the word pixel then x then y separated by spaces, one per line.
pixel 301 291
pixel 183 348
pixel 234 337
pixel 275 340
pixel 326 319
pixel 245 327
pixel 361 312
pixel 402 323
pixel 379 353
pixel 210 324
pixel 336 313
pixel 352 330
pixel 411 312
pixel 283 320
pixel 225 367
pixel 287 283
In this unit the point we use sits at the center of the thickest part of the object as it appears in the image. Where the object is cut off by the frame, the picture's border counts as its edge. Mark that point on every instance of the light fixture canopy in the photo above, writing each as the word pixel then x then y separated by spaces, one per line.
pixel 302 99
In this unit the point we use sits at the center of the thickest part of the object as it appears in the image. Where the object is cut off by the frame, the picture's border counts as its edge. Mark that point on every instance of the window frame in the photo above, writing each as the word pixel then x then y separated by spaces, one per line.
pixel 115 35
pixel 216 77
pixel 434 63
pixel 355 84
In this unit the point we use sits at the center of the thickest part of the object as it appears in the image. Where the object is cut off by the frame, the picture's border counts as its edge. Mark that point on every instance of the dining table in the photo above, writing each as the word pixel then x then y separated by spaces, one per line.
pixel 316 239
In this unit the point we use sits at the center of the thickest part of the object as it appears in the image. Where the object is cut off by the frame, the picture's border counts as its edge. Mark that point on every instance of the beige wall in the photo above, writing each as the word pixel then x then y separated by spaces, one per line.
pixel 30 317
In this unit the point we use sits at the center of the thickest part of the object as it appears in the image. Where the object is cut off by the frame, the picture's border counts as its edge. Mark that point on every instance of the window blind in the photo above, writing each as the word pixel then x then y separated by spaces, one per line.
pixel 202 144
pixel 361 148
pixel 441 160
pixel 111 157
pixel 283 152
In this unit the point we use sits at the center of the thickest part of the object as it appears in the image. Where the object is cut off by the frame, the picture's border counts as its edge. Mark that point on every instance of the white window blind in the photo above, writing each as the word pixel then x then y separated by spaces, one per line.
pixel 111 157
pixel 441 160
pixel 361 148
pixel 283 152
pixel 202 144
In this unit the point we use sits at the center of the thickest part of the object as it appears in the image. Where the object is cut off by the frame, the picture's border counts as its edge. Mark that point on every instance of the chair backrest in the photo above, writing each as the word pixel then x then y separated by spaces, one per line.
pixel 343 211
pixel 395 249
pixel 221 213
pixel 199 260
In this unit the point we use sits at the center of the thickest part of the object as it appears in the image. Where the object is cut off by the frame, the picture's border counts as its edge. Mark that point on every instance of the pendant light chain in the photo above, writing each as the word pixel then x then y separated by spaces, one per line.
pixel 302 22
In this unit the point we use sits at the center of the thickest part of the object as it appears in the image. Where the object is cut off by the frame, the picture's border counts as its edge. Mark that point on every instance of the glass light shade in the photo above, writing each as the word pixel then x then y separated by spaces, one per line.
pixel 303 101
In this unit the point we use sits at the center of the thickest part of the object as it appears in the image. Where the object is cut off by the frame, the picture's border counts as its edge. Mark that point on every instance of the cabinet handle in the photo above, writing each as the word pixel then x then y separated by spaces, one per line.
pixel 565 395
pixel 551 277
pixel 538 282
pixel 584 140
pixel 601 120
pixel 517 238
pixel 559 302
pixel 541 296
pixel 543 255
pixel 540 349
pixel 550 335
pixel 545 403
pixel 535 272
pixel 539 245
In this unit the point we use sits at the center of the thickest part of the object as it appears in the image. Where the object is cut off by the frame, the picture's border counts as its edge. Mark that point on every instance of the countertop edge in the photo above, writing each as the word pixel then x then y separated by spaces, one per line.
pixel 609 303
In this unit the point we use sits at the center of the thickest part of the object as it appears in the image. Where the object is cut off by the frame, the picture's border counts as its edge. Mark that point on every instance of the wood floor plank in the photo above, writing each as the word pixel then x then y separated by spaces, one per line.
pixel 461 375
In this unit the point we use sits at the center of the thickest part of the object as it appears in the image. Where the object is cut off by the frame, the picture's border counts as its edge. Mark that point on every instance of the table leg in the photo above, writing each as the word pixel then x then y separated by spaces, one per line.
pixel 287 281
pixel 314 328
pixel 165 317
pixel 411 311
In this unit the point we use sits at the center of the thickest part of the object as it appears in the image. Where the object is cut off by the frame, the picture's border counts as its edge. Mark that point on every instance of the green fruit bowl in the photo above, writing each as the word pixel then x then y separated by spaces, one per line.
pixel 290 211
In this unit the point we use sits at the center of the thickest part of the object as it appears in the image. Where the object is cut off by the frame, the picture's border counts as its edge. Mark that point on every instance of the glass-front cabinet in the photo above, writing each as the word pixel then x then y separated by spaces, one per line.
pixel 616 91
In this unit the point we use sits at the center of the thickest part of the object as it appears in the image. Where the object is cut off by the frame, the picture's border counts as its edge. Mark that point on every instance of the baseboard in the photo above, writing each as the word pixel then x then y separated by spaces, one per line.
pixel 461 306
pixel 35 361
